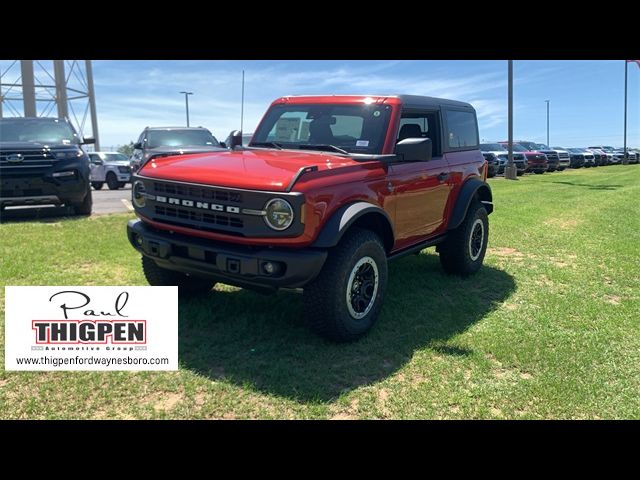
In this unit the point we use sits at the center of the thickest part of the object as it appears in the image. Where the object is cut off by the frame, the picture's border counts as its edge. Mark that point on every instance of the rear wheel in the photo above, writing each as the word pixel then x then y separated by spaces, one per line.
pixel 112 181
pixel 462 253
pixel 158 276
pixel 97 185
pixel 344 301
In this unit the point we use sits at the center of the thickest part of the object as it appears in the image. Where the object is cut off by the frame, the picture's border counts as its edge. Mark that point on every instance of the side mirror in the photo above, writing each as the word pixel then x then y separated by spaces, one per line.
pixel 88 140
pixel 97 161
pixel 137 146
pixel 223 144
pixel 234 139
pixel 414 149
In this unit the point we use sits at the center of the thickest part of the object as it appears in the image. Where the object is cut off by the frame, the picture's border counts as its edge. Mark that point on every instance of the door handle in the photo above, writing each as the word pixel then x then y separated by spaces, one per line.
pixel 443 176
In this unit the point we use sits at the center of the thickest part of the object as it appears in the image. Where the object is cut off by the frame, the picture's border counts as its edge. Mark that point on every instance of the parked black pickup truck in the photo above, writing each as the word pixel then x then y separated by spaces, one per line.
pixel 41 163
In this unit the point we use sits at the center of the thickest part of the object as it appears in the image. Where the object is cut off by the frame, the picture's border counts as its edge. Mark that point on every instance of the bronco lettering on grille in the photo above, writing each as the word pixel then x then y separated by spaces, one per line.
pixel 202 205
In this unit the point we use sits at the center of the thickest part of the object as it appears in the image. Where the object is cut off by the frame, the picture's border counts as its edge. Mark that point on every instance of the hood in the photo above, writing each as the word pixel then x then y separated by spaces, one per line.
pixel 497 152
pixel 124 163
pixel 253 169
pixel 36 146
pixel 185 149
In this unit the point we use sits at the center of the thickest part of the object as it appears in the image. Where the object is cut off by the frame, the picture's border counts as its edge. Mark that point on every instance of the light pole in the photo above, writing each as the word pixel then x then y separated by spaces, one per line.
pixel 510 172
pixel 186 103
pixel 547 122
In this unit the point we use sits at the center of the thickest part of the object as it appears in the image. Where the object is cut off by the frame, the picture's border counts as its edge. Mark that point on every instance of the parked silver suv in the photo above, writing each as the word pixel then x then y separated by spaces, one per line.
pixel 111 168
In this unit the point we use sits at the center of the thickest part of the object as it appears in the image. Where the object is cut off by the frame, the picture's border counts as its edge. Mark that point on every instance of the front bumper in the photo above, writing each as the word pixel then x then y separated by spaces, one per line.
pixel 238 265
pixel 44 190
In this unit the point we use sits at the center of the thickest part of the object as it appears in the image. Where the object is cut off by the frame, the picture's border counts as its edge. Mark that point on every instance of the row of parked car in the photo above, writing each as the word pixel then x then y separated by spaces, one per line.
pixel 531 157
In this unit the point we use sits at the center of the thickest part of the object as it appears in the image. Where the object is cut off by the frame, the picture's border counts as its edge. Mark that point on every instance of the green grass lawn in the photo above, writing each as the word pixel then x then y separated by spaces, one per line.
pixel 549 328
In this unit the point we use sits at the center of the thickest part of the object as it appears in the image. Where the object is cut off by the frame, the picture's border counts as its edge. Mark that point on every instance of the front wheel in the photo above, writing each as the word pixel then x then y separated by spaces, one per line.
pixel 97 185
pixel 344 301
pixel 84 207
pixel 462 253
pixel 112 181
pixel 158 276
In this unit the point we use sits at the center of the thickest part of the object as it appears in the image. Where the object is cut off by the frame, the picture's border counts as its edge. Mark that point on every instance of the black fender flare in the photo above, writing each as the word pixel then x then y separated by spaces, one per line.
pixel 345 216
pixel 471 189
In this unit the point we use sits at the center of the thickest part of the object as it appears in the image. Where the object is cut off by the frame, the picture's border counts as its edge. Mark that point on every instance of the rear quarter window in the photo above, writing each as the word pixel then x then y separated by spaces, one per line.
pixel 462 130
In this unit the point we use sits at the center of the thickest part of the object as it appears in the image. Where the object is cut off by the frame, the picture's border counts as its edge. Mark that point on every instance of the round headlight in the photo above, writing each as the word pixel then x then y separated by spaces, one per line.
pixel 279 214
pixel 138 194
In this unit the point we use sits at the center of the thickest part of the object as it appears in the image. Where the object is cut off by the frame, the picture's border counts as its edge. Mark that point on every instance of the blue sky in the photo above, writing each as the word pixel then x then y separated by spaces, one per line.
pixel 586 96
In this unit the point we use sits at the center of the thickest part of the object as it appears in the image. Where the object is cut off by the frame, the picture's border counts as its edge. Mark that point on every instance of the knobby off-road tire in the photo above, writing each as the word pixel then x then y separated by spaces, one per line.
pixel 112 181
pixel 84 207
pixel 344 301
pixel 462 253
pixel 158 276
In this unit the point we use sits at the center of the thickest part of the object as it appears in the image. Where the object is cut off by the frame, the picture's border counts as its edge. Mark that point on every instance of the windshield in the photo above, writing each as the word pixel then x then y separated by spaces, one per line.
pixel 180 138
pixel 516 147
pixel 491 147
pixel 38 130
pixel 357 128
pixel 529 145
pixel 542 146
pixel 114 157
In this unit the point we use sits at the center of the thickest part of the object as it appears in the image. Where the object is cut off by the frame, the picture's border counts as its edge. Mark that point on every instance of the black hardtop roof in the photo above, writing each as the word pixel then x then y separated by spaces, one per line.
pixel 423 101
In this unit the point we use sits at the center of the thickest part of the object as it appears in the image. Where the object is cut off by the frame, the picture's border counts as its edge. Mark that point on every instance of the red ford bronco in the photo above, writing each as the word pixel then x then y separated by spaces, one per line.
pixel 328 190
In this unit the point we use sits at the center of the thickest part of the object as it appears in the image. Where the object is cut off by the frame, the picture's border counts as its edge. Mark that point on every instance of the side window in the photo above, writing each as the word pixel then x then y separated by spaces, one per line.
pixel 421 124
pixel 93 157
pixel 462 131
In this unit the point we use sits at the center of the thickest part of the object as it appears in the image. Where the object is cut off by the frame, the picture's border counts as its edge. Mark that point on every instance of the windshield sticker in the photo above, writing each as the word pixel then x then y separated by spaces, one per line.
pixel 65 141
pixel 376 113
pixel 362 143
pixel 287 129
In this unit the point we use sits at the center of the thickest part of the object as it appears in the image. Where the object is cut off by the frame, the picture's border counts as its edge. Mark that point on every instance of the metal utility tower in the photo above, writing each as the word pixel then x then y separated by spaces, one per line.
pixel 34 88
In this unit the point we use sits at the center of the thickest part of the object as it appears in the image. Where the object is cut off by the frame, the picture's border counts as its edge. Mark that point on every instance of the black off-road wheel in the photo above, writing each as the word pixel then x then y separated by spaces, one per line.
pixel 112 181
pixel 344 301
pixel 97 185
pixel 462 253
pixel 158 276
pixel 84 207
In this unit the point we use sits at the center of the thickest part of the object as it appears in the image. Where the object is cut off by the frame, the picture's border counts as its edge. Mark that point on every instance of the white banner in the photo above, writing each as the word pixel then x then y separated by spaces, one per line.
pixel 91 328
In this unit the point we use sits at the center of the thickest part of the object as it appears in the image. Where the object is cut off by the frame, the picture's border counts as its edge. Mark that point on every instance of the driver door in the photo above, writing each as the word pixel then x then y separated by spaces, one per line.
pixel 97 168
pixel 421 188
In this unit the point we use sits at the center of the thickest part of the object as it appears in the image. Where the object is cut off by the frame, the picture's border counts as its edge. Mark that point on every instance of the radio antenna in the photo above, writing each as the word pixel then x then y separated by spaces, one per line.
pixel 242 105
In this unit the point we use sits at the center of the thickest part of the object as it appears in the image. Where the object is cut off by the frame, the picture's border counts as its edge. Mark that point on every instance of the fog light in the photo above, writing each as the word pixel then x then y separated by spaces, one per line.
pixel 69 173
pixel 138 240
pixel 269 268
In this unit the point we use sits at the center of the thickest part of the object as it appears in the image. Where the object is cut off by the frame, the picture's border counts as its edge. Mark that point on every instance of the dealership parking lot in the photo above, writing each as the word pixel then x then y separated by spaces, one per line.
pixel 547 329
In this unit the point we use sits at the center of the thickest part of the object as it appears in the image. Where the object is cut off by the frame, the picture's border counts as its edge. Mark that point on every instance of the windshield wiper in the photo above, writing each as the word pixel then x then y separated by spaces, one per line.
pixel 322 146
pixel 266 144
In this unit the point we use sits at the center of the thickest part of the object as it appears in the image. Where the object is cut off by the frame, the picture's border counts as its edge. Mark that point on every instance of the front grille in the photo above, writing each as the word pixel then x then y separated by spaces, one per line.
pixel 212 219
pixel 31 163
pixel 552 157
pixel 564 156
pixel 198 193
pixel 588 157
